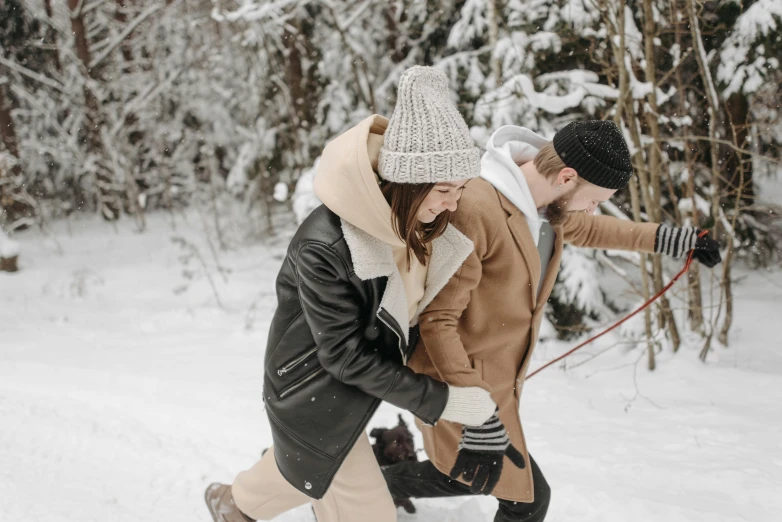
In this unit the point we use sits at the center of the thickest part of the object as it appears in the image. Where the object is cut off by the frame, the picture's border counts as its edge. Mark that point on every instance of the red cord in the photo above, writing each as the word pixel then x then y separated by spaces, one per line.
pixel 641 308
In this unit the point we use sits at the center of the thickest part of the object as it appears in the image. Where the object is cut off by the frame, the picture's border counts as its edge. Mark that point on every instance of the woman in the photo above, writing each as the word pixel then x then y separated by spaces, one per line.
pixel 358 272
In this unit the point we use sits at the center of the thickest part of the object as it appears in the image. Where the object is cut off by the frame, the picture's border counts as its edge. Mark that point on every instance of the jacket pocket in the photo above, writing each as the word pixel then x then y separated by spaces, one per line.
pixel 295 363
pixel 301 383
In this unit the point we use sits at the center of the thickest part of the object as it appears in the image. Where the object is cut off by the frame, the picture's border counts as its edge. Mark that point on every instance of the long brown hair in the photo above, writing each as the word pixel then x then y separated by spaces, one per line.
pixel 405 200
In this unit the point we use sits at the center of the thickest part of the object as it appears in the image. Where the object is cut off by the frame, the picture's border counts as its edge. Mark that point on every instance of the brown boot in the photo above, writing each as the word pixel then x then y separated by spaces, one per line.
pixel 221 505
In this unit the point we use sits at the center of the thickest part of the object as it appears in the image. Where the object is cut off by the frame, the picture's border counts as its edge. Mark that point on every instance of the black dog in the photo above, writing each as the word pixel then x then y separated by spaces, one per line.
pixel 392 446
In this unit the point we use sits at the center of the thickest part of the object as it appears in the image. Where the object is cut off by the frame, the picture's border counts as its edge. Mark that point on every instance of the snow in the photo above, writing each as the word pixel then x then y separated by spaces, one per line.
pixel 471 24
pixel 280 192
pixel 8 247
pixel 549 103
pixel 125 390
pixel 237 179
pixel 492 103
pixel 769 187
pixel 304 198
pixel 579 285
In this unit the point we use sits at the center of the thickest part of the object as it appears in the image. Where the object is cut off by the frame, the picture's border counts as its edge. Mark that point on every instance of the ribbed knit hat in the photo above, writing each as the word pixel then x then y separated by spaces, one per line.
pixel 427 140
pixel 597 151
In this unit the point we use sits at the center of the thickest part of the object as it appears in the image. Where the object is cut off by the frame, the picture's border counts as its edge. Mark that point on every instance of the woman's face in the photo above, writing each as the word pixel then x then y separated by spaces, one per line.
pixel 444 196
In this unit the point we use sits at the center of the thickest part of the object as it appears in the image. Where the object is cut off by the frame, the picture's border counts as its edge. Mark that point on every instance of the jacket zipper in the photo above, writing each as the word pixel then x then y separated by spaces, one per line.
pixel 398 335
pixel 294 363
pixel 293 387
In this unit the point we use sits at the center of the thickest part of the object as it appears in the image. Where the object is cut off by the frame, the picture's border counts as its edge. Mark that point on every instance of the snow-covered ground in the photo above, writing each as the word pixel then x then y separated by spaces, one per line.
pixel 125 389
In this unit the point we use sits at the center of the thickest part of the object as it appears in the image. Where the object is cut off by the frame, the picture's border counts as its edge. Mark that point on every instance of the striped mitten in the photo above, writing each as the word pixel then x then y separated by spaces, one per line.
pixel 677 242
pixel 481 453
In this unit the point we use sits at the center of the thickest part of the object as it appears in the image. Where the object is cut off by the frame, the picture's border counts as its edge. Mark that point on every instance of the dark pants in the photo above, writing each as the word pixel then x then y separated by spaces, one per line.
pixel 423 480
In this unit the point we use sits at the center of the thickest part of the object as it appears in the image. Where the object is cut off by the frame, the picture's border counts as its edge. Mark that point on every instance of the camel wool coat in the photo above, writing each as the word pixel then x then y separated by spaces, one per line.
pixel 481 329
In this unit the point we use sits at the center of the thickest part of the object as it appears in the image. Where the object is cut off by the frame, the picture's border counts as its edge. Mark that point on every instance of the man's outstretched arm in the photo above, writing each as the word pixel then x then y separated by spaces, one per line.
pixel 607 232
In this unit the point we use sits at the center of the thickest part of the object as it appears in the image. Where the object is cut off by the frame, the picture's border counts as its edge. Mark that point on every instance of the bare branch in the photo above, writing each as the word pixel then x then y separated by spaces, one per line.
pixel 124 34
pixel 32 74
pixel 730 144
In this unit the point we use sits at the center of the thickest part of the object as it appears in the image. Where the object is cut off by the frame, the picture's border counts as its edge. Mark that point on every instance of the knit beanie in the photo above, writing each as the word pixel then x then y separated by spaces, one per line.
pixel 597 151
pixel 427 140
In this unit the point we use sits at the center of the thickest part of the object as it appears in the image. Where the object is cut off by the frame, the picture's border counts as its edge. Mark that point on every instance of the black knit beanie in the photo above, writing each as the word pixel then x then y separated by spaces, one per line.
pixel 597 151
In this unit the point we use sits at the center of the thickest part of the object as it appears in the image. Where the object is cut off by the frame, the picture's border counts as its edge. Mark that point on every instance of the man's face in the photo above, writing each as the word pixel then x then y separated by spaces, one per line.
pixel 582 197
pixel 585 197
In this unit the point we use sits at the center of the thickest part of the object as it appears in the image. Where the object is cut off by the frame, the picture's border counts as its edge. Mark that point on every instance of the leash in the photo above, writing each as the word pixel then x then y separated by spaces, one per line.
pixel 637 311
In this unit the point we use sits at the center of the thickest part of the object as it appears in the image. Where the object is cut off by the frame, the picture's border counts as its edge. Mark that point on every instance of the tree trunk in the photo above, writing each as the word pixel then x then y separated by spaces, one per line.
pixel 716 203
pixel 642 194
pixel 51 34
pixel 107 195
pixel 121 16
pixel 10 251
pixel 624 104
pixel 392 33
pixel 12 207
pixel 655 170
pixel 9 264
pixel 739 173
pixel 655 163
pixel 695 301
pixel 7 130
pixel 491 15
pixel 294 74
pixel 728 292
pixel 79 32
pixel 738 166
pixel 713 105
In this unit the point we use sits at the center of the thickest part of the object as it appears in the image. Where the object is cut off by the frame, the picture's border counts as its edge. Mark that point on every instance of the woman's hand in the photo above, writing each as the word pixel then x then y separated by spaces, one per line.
pixel 471 406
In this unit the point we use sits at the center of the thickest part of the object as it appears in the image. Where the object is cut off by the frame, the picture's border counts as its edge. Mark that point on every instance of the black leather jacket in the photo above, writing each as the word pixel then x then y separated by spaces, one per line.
pixel 331 358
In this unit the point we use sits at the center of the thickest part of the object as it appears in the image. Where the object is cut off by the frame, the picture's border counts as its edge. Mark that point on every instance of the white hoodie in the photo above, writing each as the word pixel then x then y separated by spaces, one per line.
pixel 509 147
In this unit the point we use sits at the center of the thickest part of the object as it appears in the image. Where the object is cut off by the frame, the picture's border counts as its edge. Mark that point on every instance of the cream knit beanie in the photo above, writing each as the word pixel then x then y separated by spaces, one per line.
pixel 427 140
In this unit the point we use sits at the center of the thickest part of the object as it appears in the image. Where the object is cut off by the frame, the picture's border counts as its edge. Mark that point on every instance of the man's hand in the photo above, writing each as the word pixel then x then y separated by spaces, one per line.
pixel 707 251
pixel 481 455
pixel 677 242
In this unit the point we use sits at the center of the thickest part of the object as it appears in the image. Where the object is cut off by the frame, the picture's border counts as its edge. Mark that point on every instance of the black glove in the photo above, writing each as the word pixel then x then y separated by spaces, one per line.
pixel 677 242
pixel 707 251
pixel 481 454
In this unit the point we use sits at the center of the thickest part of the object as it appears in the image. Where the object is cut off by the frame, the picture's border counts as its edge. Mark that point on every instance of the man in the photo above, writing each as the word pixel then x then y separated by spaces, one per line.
pixel 482 327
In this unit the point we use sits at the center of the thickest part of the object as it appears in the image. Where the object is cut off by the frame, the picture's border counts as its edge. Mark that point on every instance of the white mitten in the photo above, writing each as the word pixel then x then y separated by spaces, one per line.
pixel 470 406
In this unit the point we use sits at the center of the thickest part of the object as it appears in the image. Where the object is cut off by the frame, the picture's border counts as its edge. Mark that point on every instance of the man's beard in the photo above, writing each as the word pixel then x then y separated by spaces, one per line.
pixel 555 211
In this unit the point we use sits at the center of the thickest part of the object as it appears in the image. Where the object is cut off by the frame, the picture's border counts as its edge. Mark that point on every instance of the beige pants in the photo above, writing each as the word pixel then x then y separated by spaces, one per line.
pixel 358 492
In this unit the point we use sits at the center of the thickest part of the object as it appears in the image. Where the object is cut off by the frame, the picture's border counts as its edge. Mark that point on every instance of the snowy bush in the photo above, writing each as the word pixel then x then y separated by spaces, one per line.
pixel 304 198
pixel 577 298
pixel 9 252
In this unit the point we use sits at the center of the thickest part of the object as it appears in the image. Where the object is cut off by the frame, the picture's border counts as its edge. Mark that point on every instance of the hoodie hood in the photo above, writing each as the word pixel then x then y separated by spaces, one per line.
pixel 509 147
pixel 347 184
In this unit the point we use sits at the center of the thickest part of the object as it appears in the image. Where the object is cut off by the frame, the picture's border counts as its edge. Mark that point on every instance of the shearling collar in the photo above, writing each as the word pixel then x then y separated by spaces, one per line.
pixel 372 258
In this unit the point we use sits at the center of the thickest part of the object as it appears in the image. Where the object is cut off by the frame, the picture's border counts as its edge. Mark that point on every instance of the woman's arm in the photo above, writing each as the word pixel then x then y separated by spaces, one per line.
pixel 334 315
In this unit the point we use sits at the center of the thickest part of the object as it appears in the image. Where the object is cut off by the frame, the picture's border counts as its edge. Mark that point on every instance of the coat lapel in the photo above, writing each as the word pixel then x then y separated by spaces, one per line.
pixel 372 258
pixel 449 251
pixel 519 229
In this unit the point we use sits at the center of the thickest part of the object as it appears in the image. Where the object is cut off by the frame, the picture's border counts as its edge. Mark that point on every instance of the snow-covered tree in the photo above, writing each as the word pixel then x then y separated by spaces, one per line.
pixel 135 105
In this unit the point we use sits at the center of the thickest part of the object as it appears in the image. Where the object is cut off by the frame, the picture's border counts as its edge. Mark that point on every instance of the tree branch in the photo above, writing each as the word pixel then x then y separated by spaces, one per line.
pixel 124 34
pixel 721 142
pixel 32 74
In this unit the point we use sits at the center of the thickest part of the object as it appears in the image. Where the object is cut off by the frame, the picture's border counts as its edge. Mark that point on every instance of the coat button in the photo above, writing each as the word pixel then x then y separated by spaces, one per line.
pixel 307 485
